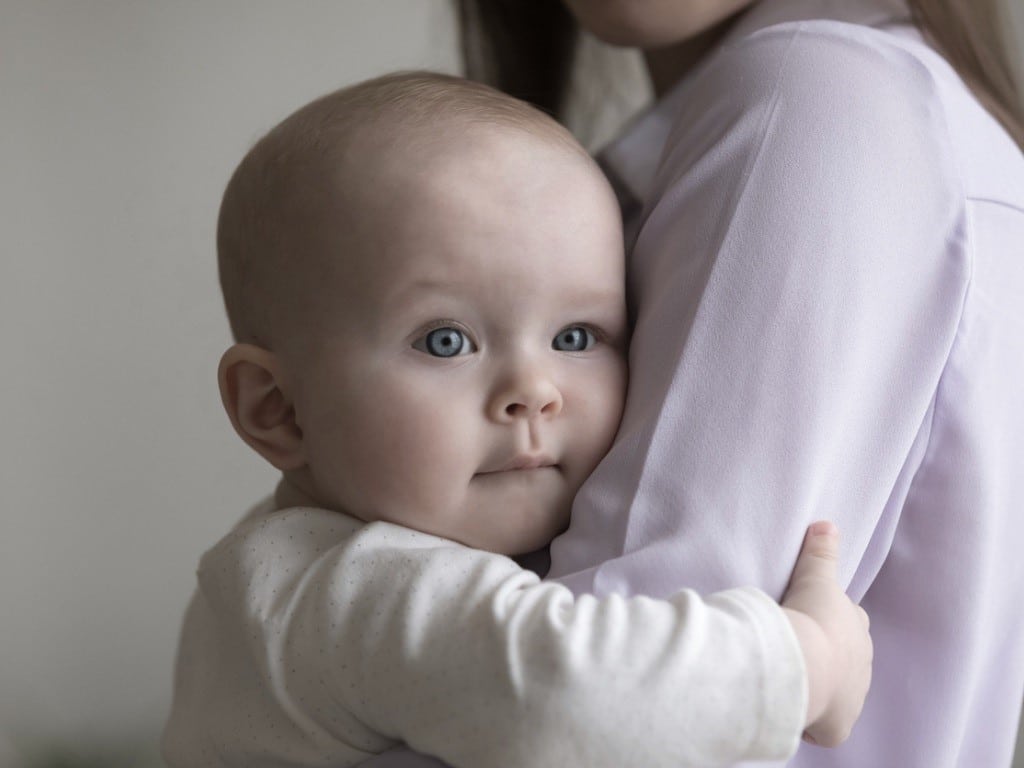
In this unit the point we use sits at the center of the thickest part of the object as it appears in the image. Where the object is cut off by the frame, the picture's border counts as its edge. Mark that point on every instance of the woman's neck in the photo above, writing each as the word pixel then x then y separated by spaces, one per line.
pixel 667 66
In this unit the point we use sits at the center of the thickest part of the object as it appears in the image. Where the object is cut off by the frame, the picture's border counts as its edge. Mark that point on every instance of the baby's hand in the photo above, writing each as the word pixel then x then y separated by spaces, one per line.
pixel 834 637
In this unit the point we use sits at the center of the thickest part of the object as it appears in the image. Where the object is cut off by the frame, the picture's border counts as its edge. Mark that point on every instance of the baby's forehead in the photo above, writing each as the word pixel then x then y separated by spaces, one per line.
pixel 377 181
pixel 417 152
pixel 314 178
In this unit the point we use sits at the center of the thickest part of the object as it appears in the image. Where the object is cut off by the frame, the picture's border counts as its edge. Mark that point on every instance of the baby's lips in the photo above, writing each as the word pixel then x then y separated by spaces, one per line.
pixel 522 461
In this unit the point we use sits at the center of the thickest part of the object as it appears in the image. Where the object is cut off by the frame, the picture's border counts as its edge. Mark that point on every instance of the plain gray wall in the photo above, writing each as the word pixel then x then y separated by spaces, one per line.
pixel 121 122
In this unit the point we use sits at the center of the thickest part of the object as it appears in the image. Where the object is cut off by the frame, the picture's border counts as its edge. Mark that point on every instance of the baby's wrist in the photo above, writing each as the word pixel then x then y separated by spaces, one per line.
pixel 817 653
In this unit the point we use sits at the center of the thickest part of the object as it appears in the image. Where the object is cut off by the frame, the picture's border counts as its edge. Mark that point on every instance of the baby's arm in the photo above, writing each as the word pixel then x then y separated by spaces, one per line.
pixel 831 630
pixel 389 635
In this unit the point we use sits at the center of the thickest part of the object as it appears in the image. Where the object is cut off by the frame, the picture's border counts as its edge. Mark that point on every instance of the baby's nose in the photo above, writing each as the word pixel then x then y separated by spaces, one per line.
pixel 527 395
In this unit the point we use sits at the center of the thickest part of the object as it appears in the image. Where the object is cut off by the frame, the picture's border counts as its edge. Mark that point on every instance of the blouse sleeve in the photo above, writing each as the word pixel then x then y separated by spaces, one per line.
pixel 799 282
pixel 336 652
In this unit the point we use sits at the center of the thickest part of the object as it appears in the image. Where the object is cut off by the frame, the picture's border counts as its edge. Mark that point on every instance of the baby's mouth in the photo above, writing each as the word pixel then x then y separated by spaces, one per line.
pixel 523 462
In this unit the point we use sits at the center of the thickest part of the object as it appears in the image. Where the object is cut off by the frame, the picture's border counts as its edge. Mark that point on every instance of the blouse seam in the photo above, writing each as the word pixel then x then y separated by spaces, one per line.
pixel 993 201
pixel 938 398
pixel 968 251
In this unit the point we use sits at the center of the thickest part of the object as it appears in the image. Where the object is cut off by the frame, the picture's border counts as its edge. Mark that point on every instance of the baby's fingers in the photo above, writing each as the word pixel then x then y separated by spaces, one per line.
pixel 819 556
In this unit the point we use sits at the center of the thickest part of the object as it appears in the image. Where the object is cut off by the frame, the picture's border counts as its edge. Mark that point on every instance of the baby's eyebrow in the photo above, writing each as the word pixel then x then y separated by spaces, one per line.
pixel 574 298
pixel 592 297
pixel 409 290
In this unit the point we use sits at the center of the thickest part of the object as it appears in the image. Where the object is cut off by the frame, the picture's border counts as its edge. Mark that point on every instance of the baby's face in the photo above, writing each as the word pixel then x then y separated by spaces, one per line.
pixel 472 373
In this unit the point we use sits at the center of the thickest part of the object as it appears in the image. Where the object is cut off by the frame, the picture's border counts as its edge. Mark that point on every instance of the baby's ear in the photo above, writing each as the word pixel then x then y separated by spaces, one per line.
pixel 259 407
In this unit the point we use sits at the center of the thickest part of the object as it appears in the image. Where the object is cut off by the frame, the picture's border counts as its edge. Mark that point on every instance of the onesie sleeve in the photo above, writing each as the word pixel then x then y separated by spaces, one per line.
pixel 391 635
pixel 799 278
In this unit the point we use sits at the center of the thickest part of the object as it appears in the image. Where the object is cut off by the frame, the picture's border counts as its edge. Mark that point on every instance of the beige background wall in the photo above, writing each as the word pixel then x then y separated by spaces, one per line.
pixel 120 121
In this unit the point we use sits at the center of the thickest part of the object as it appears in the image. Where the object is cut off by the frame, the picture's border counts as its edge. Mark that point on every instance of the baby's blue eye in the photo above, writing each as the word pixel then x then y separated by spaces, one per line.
pixel 573 339
pixel 447 342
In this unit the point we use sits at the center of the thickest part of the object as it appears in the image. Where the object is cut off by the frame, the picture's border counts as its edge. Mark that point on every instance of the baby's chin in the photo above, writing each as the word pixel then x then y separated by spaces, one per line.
pixel 530 535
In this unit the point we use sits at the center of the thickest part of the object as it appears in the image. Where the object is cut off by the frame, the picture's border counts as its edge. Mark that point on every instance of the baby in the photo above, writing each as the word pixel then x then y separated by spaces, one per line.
pixel 425 281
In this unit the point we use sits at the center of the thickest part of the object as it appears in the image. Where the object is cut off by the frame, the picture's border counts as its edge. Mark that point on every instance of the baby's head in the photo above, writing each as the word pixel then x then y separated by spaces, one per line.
pixel 425 281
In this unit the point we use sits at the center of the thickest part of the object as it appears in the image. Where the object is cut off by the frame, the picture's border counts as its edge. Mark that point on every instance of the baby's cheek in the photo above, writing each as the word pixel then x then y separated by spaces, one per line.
pixel 601 406
pixel 417 463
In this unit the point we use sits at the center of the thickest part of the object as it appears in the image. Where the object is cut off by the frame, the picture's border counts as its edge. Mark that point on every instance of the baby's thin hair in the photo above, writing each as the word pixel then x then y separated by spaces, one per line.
pixel 260 206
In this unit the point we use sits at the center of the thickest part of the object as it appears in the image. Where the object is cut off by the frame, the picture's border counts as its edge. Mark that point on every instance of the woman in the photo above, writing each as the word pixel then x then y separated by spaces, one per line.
pixel 829 207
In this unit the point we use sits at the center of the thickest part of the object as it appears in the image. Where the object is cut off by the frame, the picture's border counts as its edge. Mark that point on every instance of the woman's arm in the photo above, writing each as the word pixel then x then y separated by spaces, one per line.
pixel 799 280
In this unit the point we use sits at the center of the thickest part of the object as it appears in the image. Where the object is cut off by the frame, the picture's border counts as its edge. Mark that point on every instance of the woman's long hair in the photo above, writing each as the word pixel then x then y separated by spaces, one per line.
pixel 968 33
pixel 523 47
pixel 526 48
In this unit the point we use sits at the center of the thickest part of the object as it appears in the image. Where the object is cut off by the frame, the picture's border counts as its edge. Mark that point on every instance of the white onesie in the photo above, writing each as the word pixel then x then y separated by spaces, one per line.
pixel 315 639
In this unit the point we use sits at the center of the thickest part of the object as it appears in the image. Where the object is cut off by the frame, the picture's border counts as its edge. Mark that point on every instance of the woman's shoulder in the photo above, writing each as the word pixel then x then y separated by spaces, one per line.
pixel 820 105
pixel 867 95
pixel 833 72
pixel 820 143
